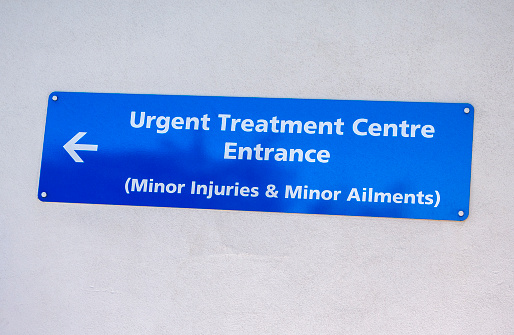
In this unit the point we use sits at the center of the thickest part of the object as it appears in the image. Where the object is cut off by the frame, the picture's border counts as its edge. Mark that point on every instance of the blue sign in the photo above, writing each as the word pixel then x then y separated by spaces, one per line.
pixel 364 158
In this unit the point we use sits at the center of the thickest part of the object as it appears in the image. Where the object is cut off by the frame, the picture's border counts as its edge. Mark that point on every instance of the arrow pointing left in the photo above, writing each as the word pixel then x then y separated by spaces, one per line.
pixel 72 145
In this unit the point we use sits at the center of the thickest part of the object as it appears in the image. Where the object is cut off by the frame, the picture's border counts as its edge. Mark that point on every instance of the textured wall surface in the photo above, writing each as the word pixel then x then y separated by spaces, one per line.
pixel 94 269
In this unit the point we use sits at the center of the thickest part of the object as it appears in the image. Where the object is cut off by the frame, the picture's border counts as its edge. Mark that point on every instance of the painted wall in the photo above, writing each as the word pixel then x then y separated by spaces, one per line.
pixel 93 269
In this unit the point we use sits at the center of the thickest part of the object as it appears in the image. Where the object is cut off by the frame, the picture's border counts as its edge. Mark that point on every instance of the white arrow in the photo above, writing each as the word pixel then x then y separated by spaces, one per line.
pixel 72 145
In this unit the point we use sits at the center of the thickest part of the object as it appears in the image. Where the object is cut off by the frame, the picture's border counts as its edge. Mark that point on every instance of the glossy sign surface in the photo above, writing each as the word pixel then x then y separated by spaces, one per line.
pixel 364 158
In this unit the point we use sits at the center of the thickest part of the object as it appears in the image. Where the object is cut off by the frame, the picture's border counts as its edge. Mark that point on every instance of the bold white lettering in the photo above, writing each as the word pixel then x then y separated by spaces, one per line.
pixel 339 124
pixel 429 200
pixel 297 193
pixel 404 127
pixel 323 156
pixel 309 127
pixel 356 124
pixel 133 120
pixel 308 156
pixel 274 123
pixel 156 187
pixel 325 124
pixel 373 128
pixel 393 126
pixel 409 196
pixel 267 152
pixel 314 192
pixel 258 149
pixel 420 196
pixel 427 131
pixel 139 186
pixel 262 126
pixel 177 122
pixel 224 118
pixel 398 198
pixel 244 191
pixel 228 150
pixel 247 125
pixel 163 127
pixel 194 120
pixel 295 151
pixel 149 119
pixel 234 124
pixel 171 188
pixel 205 119
pixel 281 155
pixel 326 195
pixel 248 151
pixel 255 192
pixel 336 193
pixel 354 194
pixel 291 125
pixel 382 196
pixel 413 128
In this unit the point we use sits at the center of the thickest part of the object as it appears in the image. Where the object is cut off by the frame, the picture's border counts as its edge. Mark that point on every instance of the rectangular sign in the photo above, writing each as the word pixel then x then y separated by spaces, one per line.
pixel 364 158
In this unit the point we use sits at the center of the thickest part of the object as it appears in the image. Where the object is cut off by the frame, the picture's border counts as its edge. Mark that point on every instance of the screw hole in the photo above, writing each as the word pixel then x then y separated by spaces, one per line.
pixel 54 98
pixel 461 213
pixel 43 194
pixel 466 110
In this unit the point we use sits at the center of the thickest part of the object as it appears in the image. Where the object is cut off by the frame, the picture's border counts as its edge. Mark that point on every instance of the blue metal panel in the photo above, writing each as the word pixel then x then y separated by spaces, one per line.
pixel 365 158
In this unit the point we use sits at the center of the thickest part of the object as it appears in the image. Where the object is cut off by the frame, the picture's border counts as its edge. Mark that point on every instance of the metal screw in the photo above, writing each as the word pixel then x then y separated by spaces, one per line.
pixel 466 110
pixel 461 213
pixel 43 194
pixel 54 98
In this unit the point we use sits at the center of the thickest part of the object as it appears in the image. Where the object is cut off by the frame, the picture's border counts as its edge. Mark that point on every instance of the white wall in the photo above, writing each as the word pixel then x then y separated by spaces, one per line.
pixel 93 269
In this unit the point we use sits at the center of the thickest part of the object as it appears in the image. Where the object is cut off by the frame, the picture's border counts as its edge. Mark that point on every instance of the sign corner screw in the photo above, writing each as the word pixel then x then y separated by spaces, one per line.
pixel 54 98
pixel 466 110
pixel 43 194
pixel 461 213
